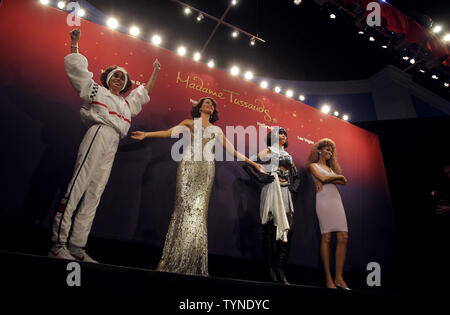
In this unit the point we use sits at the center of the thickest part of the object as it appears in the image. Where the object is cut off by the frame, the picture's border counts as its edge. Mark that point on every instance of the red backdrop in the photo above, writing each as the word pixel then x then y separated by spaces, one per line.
pixel 35 39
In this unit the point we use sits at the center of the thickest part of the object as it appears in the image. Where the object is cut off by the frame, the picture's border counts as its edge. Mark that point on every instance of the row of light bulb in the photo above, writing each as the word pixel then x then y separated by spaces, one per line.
pixel 434 76
pixel 248 75
pixel 446 38
pixel 413 60
pixel 181 50
pixel 326 109
pixel 372 39
pixel 437 29
pixel 62 5
pixel 234 33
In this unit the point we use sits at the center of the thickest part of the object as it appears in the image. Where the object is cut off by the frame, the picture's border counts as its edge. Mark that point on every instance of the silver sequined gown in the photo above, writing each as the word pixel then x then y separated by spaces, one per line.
pixel 186 246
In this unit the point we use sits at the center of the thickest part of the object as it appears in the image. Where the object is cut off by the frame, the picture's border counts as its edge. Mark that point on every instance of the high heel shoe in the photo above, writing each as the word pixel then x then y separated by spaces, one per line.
pixel 330 284
pixel 341 287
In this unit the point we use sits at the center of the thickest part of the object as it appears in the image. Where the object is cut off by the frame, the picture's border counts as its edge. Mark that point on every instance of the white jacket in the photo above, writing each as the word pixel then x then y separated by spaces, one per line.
pixel 100 105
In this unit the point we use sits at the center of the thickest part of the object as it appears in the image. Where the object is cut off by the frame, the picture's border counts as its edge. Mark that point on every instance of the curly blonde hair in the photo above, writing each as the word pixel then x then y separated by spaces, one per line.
pixel 331 163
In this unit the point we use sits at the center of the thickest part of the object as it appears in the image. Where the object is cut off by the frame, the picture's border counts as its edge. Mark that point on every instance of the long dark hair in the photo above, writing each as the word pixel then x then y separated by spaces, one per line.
pixel 280 131
pixel 195 112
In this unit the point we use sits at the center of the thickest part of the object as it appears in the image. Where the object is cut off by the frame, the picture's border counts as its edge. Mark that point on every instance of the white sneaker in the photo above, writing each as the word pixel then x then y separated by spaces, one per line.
pixel 61 252
pixel 80 254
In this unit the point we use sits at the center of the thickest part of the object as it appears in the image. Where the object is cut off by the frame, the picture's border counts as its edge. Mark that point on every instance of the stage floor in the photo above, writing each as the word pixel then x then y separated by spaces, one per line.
pixel 34 275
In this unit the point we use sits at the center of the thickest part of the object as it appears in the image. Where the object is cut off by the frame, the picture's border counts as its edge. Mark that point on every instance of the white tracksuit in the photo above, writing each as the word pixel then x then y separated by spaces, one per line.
pixel 108 118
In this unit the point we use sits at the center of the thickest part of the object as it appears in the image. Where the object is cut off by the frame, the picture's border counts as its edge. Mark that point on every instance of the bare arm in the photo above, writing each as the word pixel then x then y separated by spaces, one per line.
pixel 230 148
pixel 324 178
pixel 140 135
pixel 319 186
pixel 340 181
pixel 74 38
pixel 151 82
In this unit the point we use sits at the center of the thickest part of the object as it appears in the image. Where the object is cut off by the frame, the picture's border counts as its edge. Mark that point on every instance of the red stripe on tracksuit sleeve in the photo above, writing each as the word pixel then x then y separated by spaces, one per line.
pixel 112 113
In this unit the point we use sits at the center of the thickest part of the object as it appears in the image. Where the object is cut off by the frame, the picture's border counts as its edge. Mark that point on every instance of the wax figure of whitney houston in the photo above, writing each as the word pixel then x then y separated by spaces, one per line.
pixel 327 173
pixel 186 245
pixel 276 206
pixel 107 115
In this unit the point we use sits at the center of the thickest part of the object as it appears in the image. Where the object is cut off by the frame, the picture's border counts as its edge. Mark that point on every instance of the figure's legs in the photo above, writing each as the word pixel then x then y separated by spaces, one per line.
pixel 341 250
pixel 282 257
pixel 108 141
pixel 86 213
pixel 283 251
pixel 325 253
pixel 84 166
pixel 269 233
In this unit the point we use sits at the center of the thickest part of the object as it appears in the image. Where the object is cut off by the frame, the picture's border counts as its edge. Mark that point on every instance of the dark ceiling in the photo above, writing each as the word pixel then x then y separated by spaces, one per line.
pixel 302 42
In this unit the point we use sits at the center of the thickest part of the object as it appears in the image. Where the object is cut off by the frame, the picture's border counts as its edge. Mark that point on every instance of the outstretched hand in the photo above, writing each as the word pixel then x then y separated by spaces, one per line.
pixel 138 135
pixel 75 35
pixel 260 169
pixel 156 64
